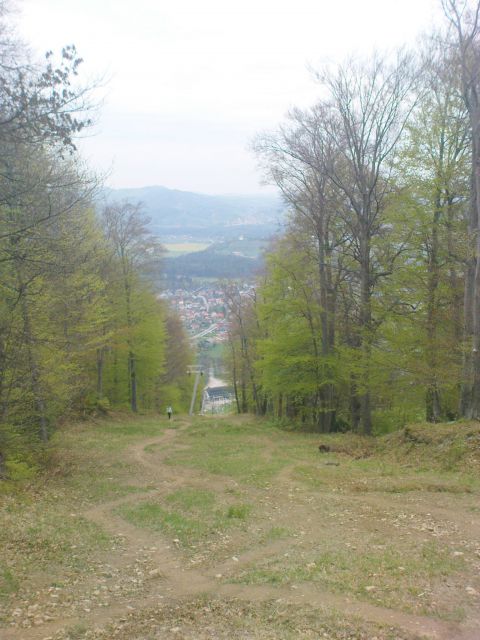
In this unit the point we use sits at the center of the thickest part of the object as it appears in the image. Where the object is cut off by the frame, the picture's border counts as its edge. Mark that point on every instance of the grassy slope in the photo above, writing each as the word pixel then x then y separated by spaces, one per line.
pixel 399 563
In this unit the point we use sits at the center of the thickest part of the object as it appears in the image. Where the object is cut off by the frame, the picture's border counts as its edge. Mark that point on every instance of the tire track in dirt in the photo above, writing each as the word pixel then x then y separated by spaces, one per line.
pixel 178 581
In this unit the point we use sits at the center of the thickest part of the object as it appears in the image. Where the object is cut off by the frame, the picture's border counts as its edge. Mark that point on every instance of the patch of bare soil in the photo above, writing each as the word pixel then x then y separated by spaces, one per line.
pixel 147 587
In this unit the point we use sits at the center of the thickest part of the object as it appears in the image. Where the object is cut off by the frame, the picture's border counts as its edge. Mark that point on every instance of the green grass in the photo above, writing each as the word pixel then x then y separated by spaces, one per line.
pixel 192 499
pixel 229 449
pixel 246 247
pixel 254 452
pixel 374 475
pixel 111 435
pixel 97 471
pixel 275 533
pixel 44 538
pixel 190 515
pixel 42 527
pixel 275 619
pixel 239 511
pixel 8 583
pixel 154 517
pixel 389 576
pixel 451 447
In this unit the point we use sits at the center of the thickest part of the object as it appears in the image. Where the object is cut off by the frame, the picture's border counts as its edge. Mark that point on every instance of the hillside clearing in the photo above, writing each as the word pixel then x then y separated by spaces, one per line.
pixel 233 528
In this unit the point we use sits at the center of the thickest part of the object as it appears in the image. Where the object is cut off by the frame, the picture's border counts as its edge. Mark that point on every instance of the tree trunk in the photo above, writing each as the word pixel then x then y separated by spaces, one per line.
pixel 133 380
pixel 35 384
pixel 327 390
pixel 354 406
pixel 116 382
pixel 234 373
pixel 280 406
pixel 454 278
pixel 432 399
pixel 100 365
pixel 366 330
pixel 476 297
pixel 39 401
pixel 470 393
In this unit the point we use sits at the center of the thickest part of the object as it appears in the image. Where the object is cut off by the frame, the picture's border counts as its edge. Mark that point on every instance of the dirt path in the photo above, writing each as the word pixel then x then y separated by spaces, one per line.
pixel 167 578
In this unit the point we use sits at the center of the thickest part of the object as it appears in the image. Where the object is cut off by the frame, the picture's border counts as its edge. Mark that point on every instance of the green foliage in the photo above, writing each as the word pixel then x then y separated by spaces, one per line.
pixel 68 334
pixel 358 321
pixel 19 470
pixel 81 332
pixel 239 511
pixel 8 583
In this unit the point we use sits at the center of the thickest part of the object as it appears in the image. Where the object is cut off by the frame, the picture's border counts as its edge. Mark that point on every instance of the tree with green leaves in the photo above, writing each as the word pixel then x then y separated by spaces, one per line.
pixel 463 17
pixel 133 248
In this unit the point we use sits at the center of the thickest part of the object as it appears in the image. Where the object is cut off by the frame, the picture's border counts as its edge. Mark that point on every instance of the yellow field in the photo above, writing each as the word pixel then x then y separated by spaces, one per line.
pixel 181 248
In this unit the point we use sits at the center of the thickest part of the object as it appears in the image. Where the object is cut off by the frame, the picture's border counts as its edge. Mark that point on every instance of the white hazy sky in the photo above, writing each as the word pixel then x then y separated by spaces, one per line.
pixel 190 82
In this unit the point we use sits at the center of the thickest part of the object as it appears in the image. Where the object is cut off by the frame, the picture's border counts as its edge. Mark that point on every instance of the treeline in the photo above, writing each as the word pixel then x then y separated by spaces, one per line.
pixel 80 328
pixel 368 313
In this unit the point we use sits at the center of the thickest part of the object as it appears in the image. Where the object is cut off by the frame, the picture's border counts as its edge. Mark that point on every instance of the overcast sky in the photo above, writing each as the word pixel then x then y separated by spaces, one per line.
pixel 190 82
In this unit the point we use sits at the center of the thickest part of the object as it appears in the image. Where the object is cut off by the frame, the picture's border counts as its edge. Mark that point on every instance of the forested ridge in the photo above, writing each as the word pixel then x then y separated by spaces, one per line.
pixel 81 330
pixel 368 313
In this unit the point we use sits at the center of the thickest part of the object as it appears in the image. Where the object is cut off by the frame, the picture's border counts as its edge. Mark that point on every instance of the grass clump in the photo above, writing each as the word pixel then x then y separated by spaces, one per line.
pixel 8 582
pixel 192 499
pixel 77 631
pixel 191 515
pixel 239 511
pixel 154 517
pixel 275 533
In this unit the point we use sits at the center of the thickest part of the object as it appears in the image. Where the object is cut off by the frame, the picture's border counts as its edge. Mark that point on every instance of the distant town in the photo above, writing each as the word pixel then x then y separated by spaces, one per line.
pixel 203 310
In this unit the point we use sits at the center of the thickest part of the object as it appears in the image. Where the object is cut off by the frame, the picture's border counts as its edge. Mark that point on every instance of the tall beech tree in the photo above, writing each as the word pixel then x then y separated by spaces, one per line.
pixel 296 159
pixel 133 247
pixel 370 103
pixel 433 167
pixel 335 167
pixel 464 19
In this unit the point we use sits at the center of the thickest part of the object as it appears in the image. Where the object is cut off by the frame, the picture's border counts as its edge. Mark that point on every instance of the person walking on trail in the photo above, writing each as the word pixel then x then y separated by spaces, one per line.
pixel 169 412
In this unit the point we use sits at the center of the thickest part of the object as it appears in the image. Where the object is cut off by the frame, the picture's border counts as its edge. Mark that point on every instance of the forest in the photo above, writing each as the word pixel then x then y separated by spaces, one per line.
pixel 81 329
pixel 209 263
pixel 367 315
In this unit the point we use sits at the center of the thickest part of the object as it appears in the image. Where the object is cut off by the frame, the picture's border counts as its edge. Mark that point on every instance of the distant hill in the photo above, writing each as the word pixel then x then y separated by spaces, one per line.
pixel 238 227
pixel 173 208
